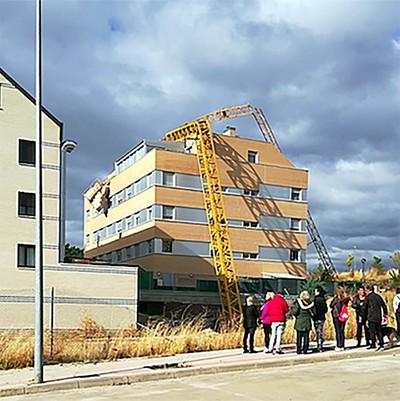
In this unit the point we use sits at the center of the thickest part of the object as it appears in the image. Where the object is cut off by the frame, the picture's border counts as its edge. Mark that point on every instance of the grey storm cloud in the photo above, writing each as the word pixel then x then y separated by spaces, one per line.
pixel 327 74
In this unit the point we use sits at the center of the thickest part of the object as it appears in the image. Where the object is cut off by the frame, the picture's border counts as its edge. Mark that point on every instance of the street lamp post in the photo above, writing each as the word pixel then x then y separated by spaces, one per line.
pixel 38 356
pixel 363 262
pixel 67 147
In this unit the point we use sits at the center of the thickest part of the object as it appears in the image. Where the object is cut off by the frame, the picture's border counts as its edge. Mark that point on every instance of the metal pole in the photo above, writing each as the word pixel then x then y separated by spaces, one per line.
pixel 63 203
pixel 52 323
pixel 38 360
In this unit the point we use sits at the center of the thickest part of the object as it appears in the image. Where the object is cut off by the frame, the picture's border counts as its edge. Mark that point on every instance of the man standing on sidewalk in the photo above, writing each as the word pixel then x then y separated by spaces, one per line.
pixel 376 311
pixel 320 311
pixel 396 309
pixel 358 305
pixel 277 309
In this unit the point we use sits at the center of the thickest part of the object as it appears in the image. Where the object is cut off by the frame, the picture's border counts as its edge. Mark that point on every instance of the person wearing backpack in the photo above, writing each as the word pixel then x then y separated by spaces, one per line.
pixel 303 312
pixel 396 309
pixel 377 313
pixel 340 315
pixel 320 310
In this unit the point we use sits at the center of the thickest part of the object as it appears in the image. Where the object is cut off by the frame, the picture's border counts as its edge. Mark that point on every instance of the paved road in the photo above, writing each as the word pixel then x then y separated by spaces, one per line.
pixel 366 379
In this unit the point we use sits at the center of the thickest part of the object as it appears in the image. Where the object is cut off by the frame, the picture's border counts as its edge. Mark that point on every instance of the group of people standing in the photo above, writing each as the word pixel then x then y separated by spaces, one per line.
pixel 371 314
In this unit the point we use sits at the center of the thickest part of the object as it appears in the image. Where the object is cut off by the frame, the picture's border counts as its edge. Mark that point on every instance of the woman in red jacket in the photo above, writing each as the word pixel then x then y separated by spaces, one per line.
pixel 276 310
pixel 266 321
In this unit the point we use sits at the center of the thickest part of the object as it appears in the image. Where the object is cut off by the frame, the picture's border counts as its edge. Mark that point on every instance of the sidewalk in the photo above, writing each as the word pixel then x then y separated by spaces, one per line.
pixel 133 370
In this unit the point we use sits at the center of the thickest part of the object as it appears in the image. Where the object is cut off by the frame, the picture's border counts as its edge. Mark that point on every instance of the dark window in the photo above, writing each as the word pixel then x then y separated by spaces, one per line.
pixel 168 212
pixel 26 255
pixel 253 224
pixel 252 156
pixel 295 224
pixel 296 194
pixel 166 245
pixel 168 179
pixel 27 152
pixel 294 255
pixel 26 204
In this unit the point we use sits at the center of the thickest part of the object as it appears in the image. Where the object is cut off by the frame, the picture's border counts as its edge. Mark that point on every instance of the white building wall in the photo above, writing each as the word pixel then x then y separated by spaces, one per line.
pixel 107 294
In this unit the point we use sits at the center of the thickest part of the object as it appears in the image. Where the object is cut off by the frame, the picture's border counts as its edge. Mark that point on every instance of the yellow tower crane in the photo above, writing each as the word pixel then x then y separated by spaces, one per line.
pixel 200 132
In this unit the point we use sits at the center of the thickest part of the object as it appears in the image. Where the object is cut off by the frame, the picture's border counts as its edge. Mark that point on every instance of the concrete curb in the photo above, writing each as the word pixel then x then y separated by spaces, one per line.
pixel 176 373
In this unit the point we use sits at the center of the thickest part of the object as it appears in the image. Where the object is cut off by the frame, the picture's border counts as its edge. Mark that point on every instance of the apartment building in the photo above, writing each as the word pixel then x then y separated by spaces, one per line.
pixel 103 292
pixel 157 219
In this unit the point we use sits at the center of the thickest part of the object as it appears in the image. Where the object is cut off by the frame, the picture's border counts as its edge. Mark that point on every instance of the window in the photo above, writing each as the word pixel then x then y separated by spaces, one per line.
pixel 128 251
pixel 168 212
pixel 87 239
pixel 120 197
pixel 119 255
pixel 87 215
pixel 26 255
pixel 26 204
pixel 150 246
pixel 149 213
pixel 254 192
pixel 252 156
pixel 295 224
pixel 111 230
pixel 129 222
pixel 129 191
pixel 27 152
pixel 296 194
pixel 119 226
pixel 252 224
pixel 294 255
pixel 168 179
pixel 137 219
pixel 166 245
pixel 250 255
pixel 246 192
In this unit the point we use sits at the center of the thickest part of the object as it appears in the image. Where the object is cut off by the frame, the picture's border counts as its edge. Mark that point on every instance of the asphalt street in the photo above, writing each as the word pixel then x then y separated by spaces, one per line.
pixel 376 378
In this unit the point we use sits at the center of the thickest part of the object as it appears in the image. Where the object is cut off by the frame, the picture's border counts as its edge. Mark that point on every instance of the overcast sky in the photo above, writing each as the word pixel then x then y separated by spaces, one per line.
pixel 326 74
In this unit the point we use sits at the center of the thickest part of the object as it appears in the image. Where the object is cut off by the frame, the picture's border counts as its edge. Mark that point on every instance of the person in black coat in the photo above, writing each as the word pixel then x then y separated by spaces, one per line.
pixel 358 305
pixel 250 321
pixel 376 311
pixel 319 315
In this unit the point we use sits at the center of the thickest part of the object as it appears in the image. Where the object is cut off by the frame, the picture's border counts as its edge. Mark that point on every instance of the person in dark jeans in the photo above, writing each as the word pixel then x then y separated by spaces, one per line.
pixel 250 321
pixel 320 310
pixel 376 311
pixel 358 305
pixel 396 309
pixel 303 312
pixel 339 300
pixel 266 320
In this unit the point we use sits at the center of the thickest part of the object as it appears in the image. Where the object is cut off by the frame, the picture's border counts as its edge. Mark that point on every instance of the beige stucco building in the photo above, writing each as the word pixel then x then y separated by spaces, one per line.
pixel 103 292
pixel 157 219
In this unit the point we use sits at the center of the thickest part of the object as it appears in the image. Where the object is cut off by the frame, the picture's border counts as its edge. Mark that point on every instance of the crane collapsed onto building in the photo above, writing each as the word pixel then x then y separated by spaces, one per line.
pixel 200 132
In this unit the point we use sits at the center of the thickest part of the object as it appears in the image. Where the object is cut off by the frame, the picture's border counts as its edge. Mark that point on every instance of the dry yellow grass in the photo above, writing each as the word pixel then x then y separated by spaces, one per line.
pixel 92 343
